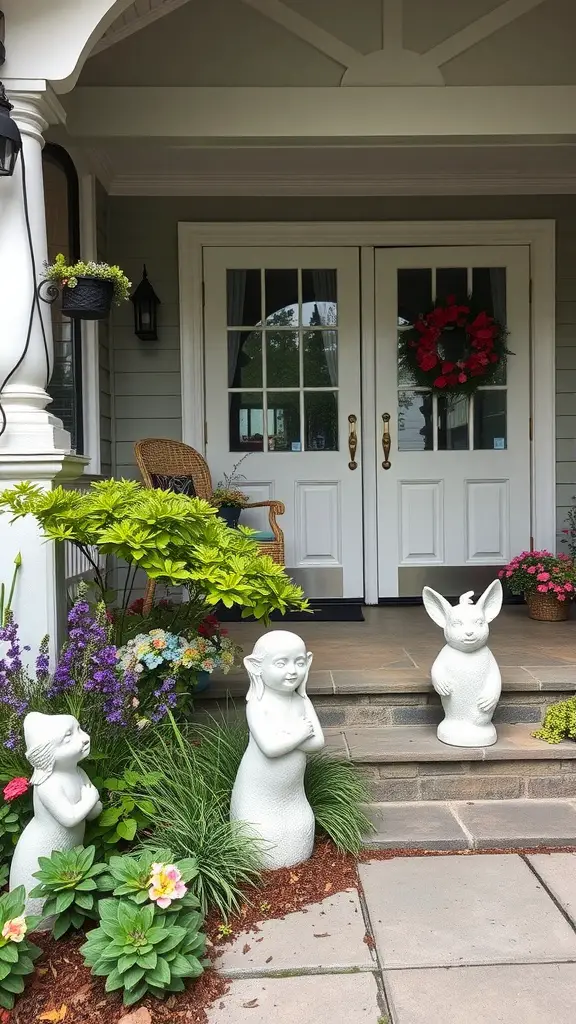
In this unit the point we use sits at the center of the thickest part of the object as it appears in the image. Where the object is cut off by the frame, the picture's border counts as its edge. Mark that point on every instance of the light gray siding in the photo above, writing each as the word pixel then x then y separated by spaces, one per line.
pixel 147 378
pixel 104 332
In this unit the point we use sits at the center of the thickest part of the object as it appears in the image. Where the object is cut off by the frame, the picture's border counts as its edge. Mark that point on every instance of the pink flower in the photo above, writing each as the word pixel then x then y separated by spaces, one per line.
pixel 14 930
pixel 509 572
pixel 165 885
pixel 543 576
pixel 15 788
pixel 542 588
pixel 568 587
pixel 531 569
pixel 561 597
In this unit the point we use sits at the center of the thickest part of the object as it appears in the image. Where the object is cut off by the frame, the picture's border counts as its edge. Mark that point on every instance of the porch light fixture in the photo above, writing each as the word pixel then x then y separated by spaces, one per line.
pixel 146 304
pixel 10 138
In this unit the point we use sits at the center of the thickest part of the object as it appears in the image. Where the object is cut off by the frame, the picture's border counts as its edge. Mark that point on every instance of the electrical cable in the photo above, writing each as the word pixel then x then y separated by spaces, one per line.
pixel 35 306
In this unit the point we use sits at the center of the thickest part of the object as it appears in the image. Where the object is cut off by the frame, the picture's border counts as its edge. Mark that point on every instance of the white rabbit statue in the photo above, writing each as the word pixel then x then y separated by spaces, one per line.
pixel 268 794
pixel 465 673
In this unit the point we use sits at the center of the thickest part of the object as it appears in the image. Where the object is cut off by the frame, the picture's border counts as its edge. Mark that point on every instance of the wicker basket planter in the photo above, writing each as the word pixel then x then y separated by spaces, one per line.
pixel 91 299
pixel 547 608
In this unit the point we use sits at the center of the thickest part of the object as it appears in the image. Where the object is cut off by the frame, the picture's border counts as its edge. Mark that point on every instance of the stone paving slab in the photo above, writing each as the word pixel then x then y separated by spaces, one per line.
pixel 454 911
pixel 416 826
pixel 558 872
pixel 324 936
pixel 539 994
pixel 518 823
pixel 317 999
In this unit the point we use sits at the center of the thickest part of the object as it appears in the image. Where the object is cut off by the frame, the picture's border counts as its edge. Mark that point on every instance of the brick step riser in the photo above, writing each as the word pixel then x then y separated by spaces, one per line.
pixel 471 780
pixel 339 710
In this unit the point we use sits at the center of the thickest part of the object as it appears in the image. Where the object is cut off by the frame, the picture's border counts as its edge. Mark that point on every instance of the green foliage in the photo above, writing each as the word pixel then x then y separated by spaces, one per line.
pixel 126 811
pixel 175 539
pixel 17 955
pixel 569 533
pixel 130 876
pixel 10 829
pixel 70 882
pixel 542 572
pixel 141 950
pixel 68 274
pixel 337 791
pixel 194 815
pixel 6 605
pixel 225 496
pixel 559 722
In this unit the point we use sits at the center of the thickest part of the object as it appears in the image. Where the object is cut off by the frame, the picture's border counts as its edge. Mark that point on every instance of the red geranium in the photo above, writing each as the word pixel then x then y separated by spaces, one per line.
pixel 15 788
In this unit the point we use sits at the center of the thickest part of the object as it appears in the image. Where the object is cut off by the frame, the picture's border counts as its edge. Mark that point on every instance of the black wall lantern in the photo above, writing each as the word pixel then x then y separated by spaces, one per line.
pixel 146 304
pixel 10 138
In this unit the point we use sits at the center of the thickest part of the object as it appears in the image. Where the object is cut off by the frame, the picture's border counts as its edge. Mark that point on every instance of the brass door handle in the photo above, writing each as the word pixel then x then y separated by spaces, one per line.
pixel 352 441
pixel 386 440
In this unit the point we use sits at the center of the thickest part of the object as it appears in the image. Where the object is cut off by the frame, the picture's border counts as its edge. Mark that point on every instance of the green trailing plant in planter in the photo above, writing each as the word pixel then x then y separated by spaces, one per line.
pixel 88 289
pixel 559 722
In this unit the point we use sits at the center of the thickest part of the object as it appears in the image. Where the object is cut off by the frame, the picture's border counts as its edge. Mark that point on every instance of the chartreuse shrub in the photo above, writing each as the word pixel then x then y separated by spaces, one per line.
pixel 70 883
pixel 17 953
pixel 149 939
pixel 176 540
pixel 559 722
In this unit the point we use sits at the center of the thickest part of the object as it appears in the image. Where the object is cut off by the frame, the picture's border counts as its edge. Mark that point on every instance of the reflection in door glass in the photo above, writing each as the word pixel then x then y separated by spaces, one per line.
pixel 244 298
pixel 320 359
pixel 244 359
pixel 490 420
pixel 321 421
pixel 283 418
pixel 282 359
pixel 453 422
pixel 246 421
pixel 281 297
pixel 415 425
pixel 319 300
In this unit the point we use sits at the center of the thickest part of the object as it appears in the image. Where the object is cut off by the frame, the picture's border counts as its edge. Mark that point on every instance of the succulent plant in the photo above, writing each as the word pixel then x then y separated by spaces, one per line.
pixel 70 883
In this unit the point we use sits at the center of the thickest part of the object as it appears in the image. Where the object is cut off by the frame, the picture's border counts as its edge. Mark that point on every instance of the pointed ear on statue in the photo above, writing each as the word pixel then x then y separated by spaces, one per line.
pixel 490 601
pixel 438 607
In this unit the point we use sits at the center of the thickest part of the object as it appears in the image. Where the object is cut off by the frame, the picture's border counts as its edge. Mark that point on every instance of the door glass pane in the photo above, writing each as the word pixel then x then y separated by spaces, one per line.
pixel 319 299
pixel 244 359
pixel 453 422
pixel 490 420
pixel 284 421
pixel 281 303
pixel 244 299
pixel 414 294
pixel 415 425
pixel 282 359
pixel 451 281
pixel 489 287
pixel 321 419
pixel 320 359
pixel 246 422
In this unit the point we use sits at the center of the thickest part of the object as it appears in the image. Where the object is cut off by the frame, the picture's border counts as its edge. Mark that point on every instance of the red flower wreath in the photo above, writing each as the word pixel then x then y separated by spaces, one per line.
pixel 480 339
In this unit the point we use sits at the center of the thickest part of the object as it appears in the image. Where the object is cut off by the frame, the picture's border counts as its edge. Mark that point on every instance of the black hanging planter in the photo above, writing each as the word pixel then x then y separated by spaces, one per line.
pixel 230 514
pixel 91 299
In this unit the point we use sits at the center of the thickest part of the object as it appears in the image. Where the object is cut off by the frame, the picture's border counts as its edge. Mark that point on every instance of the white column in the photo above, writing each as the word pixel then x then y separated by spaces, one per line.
pixel 25 324
pixel 34 445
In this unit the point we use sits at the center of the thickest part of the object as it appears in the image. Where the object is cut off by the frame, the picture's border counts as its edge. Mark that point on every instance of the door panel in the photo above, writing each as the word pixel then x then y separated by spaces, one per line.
pixel 282 357
pixel 455 500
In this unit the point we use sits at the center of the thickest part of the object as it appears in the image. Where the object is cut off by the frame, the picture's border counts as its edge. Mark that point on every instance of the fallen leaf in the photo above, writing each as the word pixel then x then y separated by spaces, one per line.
pixel 54 971
pixel 42 971
pixel 260 940
pixel 81 995
pixel 54 1015
pixel 321 935
pixel 221 1006
pixel 293 878
pixel 246 949
pixel 250 1005
pixel 139 1016
pixel 328 886
pixel 270 959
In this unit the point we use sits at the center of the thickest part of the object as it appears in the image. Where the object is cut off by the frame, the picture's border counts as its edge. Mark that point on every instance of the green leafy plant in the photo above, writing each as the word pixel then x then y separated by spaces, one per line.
pixel 17 953
pixel 142 950
pixel 227 492
pixel 6 605
pixel 569 532
pixel 126 811
pixel 69 883
pixel 193 799
pixel 540 572
pixel 559 722
pixel 67 275
pixel 177 540
pixel 131 877
pixel 10 830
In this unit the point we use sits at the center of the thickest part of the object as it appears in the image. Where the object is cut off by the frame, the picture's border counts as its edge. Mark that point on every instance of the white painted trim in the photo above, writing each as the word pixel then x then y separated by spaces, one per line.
pixel 368 419
pixel 440 184
pixel 115 35
pixel 370 112
pixel 538 234
pixel 305 29
pixel 480 29
pixel 90 337
pixel 191 302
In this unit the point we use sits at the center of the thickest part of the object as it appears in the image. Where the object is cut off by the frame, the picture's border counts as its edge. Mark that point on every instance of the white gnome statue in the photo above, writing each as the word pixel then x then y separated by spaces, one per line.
pixel 465 673
pixel 64 797
pixel 268 793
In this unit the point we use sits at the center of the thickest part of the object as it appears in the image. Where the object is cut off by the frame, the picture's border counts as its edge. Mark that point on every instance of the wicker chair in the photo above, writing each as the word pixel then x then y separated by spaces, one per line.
pixel 159 456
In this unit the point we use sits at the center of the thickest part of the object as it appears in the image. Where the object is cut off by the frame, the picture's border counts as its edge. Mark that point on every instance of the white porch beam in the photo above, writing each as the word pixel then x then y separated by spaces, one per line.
pixel 328 113
pixel 480 29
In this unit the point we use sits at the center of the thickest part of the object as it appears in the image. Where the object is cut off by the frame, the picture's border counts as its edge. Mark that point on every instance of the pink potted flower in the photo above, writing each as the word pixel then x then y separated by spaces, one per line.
pixel 547 582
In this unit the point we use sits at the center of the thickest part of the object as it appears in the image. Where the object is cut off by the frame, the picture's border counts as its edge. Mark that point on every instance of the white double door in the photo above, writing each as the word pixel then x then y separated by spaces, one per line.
pixel 283 353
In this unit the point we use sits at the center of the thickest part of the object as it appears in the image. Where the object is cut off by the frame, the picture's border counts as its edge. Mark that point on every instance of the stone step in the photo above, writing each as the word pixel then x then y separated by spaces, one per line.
pixel 402 697
pixel 407 763
pixel 473 825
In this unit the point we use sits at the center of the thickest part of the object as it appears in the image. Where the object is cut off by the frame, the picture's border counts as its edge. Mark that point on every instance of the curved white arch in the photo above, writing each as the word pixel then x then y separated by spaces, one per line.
pixel 51 41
